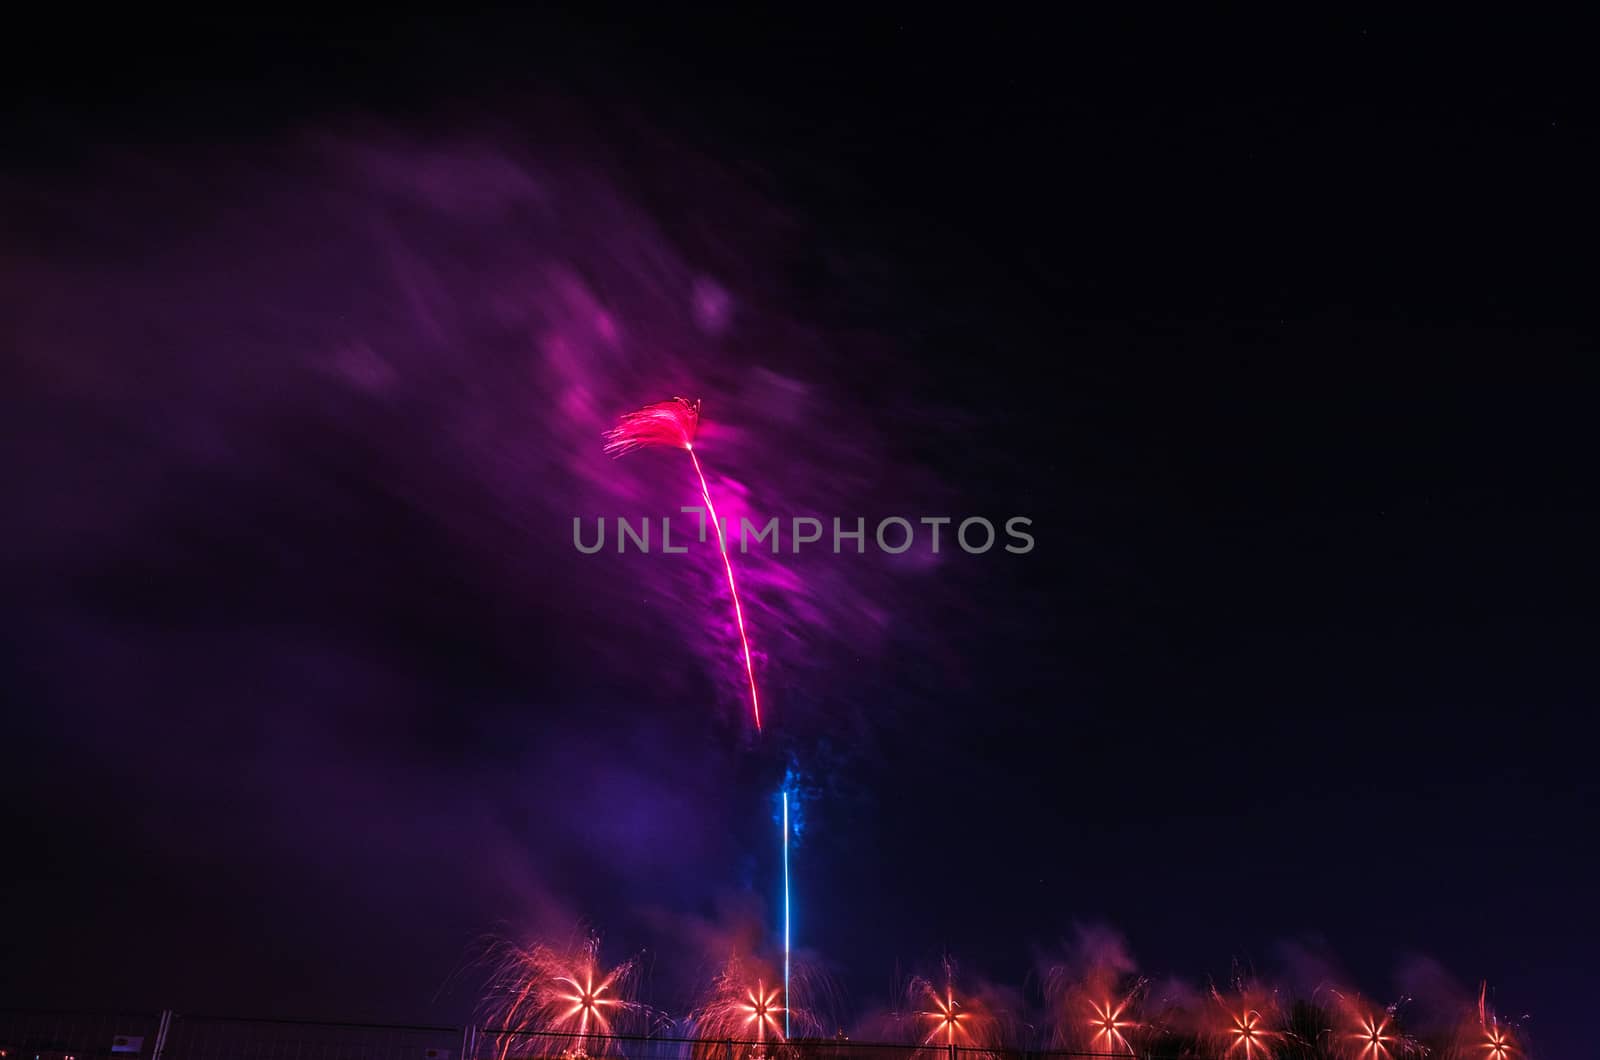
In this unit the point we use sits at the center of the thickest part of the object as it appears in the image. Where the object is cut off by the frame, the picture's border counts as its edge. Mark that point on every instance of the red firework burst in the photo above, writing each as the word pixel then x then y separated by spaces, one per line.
pixel 666 423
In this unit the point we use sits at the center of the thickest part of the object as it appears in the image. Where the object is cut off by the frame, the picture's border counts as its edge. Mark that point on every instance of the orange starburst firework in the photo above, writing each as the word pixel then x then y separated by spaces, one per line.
pixel 1362 1031
pixel 943 1015
pixel 1108 1021
pixel 589 1000
pixel 1095 998
pixel 1374 1037
pixel 762 1008
pixel 1246 1030
pixel 1093 1005
pixel 1248 1036
pixel 1496 1043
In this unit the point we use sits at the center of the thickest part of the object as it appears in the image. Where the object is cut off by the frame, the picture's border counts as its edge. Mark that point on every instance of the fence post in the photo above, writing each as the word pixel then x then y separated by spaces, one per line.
pixel 161 1034
pixel 469 1042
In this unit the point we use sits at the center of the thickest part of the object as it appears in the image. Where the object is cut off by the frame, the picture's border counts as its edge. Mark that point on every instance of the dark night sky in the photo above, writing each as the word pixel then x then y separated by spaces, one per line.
pixel 1279 334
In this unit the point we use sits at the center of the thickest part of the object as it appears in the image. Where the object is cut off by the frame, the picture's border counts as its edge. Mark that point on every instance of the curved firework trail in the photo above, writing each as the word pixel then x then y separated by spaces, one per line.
pixel 673 424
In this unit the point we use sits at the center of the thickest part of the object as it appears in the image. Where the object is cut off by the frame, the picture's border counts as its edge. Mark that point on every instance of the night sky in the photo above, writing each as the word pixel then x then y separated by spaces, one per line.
pixel 1280 335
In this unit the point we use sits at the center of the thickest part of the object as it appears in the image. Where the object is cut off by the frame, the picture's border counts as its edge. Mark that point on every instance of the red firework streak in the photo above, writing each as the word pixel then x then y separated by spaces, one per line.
pixel 673 424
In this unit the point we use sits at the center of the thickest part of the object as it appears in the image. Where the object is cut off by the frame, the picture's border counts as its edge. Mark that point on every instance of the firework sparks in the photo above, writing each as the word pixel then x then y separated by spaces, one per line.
pixel 740 1007
pixel 944 1015
pixel 943 1018
pixel 673 424
pixel 1494 1039
pixel 1362 1031
pixel 1246 1031
pixel 570 996
pixel 1092 1001
pixel 565 1004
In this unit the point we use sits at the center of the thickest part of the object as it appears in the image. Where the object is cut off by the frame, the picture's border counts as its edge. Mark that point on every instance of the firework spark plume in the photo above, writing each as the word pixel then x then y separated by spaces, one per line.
pixel 1360 1030
pixel 1246 1025
pixel 544 1001
pixel 943 1013
pixel 1094 998
pixel 746 1003
pixel 1484 1036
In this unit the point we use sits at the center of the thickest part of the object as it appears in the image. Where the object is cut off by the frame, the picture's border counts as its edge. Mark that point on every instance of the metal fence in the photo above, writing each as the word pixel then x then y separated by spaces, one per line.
pixel 35 1035
pixel 42 1035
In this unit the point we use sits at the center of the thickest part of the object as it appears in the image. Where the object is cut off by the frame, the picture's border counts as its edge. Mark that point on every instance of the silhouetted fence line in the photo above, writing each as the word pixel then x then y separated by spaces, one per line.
pixel 33 1034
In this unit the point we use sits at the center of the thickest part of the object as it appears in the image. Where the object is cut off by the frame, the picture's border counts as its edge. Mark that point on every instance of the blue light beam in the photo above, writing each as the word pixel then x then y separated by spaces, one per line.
pixel 786 1004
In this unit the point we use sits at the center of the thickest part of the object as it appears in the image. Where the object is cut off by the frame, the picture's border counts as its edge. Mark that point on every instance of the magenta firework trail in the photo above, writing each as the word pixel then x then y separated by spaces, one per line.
pixel 673 424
